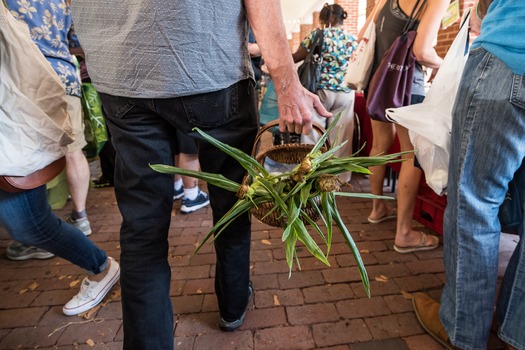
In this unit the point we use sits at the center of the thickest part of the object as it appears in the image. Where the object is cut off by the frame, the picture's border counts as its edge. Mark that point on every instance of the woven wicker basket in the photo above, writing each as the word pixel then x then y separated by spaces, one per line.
pixel 291 153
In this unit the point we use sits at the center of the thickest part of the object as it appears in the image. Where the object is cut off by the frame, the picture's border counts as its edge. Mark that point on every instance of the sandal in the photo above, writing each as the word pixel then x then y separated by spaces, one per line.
pixel 389 216
pixel 420 247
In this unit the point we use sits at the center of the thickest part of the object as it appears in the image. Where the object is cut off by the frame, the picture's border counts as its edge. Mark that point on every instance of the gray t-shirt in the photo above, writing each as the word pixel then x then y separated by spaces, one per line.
pixel 163 49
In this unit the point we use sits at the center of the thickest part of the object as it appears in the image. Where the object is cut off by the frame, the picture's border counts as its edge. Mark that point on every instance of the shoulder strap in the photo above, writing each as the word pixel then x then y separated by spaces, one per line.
pixel 318 41
pixel 414 15
pixel 316 44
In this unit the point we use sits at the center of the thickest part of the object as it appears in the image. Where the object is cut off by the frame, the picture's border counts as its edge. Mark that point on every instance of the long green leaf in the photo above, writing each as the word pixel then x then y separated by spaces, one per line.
pixel 214 179
pixel 316 227
pixel 323 138
pixel 239 208
pixel 251 165
pixel 290 250
pixel 355 252
pixel 304 236
pixel 362 195
pixel 327 210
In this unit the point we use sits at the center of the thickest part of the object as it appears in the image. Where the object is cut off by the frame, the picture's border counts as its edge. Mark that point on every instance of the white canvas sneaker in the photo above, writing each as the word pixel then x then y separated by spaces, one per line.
pixel 91 292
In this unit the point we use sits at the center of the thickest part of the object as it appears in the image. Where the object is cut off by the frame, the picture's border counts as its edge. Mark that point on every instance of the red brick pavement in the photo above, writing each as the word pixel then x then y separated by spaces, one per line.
pixel 319 307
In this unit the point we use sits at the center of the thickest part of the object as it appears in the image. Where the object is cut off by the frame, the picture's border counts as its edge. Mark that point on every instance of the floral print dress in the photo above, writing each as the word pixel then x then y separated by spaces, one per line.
pixel 338 46
pixel 49 23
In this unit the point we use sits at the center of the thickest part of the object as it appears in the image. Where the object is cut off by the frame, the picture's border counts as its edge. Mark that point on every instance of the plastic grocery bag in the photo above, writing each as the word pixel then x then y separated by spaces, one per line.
pixel 430 122
pixel 94 121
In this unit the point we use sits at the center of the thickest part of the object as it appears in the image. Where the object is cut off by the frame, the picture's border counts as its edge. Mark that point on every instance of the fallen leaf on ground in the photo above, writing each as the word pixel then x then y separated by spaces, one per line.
pixel 267 242
pixel 276 300
pixel 365 251
pixel 381 278
pixel 74 283
pixel 90 342
pixel 33 286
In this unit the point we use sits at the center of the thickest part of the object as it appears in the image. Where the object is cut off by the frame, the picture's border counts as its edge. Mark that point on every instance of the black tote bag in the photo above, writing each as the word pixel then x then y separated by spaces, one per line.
pixel 310 70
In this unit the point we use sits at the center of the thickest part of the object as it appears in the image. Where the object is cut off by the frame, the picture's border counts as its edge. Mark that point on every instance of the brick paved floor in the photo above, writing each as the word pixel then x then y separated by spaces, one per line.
pixel 319 307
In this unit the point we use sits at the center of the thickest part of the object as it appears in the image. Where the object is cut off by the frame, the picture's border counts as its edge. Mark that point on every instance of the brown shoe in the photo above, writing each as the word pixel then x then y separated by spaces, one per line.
pixel 427 312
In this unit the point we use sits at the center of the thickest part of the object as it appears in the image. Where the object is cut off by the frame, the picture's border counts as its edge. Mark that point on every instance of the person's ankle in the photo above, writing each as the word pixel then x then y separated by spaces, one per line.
pixel 75 215
pixel 100 276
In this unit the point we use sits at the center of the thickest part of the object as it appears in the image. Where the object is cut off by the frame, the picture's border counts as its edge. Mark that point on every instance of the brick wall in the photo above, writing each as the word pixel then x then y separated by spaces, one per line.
pixel 305 29
pixel 295 41
pixel 352 9
pixel 315 20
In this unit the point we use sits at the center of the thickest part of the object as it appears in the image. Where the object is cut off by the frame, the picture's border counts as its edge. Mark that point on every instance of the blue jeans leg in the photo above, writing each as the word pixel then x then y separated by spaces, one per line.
pixel 143 132
pixel 486 149
pixel 30 221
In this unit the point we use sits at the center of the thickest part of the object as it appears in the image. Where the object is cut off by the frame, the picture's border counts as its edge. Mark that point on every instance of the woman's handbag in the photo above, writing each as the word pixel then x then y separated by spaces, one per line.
pixel 360 66
pixel 391 84
pixel 34 180
pixel 430 122
pixel 35 127
pixel 310 70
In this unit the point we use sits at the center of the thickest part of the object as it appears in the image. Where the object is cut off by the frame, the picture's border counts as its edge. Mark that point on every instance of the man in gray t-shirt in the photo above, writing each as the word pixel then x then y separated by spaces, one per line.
pixel 161 66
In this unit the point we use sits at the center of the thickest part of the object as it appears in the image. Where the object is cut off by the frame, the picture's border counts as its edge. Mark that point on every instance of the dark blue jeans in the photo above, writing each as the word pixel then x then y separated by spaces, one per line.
pixel 143 132
pixel 30 221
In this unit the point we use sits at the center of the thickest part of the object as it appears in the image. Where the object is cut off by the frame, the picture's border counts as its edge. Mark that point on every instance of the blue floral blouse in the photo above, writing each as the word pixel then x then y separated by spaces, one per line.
pixel 338 46
pixel 49 24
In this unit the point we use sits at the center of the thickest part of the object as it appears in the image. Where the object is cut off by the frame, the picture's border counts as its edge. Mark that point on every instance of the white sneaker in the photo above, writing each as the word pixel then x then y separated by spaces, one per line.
pixel 91 292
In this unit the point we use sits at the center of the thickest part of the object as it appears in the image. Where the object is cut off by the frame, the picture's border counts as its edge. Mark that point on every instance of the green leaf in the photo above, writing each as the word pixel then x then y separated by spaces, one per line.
pixel 290 250
pixel 362 195
pixel 327 209
pixel 239 208
pixel 323 138
pixel 251 165
pixel 308 219
pixel 353 247
pixel 214 179
pixel 305 192
pixel 304 236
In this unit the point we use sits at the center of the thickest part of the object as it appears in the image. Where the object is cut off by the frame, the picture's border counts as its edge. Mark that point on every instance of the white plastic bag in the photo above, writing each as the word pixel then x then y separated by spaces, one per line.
pixel 360 64
pixel 430 122
pixel 35 127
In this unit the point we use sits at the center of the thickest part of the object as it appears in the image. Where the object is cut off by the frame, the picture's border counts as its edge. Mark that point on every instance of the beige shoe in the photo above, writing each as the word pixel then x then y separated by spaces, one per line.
pixel 427 312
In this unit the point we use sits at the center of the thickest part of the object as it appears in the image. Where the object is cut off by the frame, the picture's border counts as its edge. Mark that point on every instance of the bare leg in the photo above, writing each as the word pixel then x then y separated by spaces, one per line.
pixel 383 137
pixel 408 185
pixel 189 162
pixel 77 173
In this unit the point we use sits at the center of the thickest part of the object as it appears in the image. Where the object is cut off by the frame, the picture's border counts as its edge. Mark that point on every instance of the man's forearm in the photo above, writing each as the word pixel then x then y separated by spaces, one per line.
pixel 266 21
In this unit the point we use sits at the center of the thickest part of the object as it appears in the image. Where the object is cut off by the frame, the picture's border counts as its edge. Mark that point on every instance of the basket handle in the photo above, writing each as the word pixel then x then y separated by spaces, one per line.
pixel 274 123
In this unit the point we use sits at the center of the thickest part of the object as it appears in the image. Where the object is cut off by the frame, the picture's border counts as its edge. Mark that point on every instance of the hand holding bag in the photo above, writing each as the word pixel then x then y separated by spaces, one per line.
pixel 430 122
pixel 360 66
pixel 391 84
pixel 310 70
pixel 35 127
